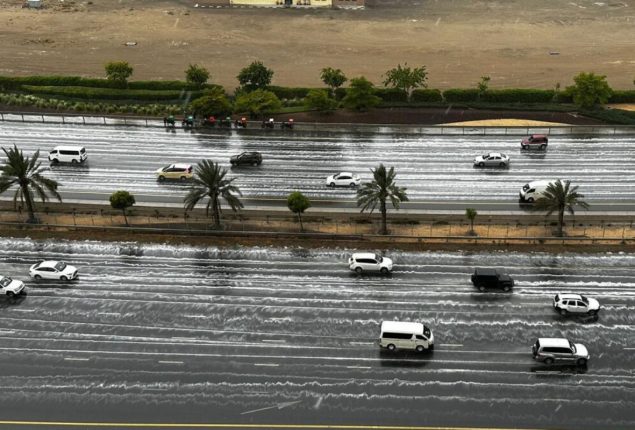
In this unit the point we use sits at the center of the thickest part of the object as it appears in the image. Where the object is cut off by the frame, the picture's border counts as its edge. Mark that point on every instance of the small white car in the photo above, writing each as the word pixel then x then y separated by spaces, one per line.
pixel 53 270
pixel 343 179
pixel 567 304
pixel 493 159
pixel 369 262
pixel 10 287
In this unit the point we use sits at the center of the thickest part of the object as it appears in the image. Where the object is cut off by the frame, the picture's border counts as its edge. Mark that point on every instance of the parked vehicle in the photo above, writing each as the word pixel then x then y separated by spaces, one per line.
pixel 552 350
pixel 10 287
pixel 493 159
pixel 68 154
pixel 343 179
pixel 287 124
pixel 405 335
pixel 491 278
pixel 369 262
pixel 575 304
pixel 174 171
pixel 253 158
pixel 535 141
pixel 53 270
pixel 534 190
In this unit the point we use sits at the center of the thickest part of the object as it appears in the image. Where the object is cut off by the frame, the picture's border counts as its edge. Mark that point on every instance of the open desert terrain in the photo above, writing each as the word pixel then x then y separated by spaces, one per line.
pixel 518 43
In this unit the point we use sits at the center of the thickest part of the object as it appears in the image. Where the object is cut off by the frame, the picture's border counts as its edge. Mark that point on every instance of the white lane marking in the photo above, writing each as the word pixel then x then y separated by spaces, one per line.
pixel 362 343
pixel 279 406
pixel 358 367
pixel 274 340
pixel 23 310
pixel 267 364
pixel 170 362
pixel 109 313
pixel 629 348
pixel 75 359
pixel 7 331
pixel 195 316
pixel 183 338
pixel 451 344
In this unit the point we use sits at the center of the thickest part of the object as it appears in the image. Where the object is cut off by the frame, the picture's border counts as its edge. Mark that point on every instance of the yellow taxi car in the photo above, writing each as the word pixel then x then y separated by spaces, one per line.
pixel 175 171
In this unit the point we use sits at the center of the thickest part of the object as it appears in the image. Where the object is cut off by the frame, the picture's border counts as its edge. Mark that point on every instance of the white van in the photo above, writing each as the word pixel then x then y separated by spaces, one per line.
pixel 534 190
pixel 68 154
pixel 405 335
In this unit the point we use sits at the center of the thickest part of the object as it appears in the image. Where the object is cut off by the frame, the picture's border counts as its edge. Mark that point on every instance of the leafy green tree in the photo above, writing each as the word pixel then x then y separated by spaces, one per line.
pixel 319 100
pixel 483 85
pixel 298 203
pixel 26 173
pixel 590 90
pixel 360 95
pixel 333 78
pixel 470 214
pixel 209 182
pixel 559 197
pixel 122 200
pixel 212 102
pixel 255 76
pixel 407 79
pixel 119 71
pixel 258 103
pixel 196 75
pixel 376 192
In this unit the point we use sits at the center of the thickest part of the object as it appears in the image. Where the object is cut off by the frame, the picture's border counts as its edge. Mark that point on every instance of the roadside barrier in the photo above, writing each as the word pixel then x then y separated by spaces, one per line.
pixel 116 120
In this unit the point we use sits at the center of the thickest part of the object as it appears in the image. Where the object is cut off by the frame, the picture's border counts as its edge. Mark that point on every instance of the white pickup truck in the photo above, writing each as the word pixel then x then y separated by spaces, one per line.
pixel 10 287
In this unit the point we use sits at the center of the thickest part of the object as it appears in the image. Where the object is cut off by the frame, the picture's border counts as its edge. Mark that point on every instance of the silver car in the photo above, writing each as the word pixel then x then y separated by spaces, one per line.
pixel 493 159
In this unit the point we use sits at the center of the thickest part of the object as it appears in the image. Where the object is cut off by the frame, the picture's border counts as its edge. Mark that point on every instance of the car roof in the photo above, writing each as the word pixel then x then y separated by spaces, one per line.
pixel 569 296
pixel 495 154
pixel 485 271
pixel 541 182
pixel 68 148
pixel 49 263
pixel 345 173
pixel 364 255
pixel 181 165
pixel 554 341
pixel 401 327
pixel 538 136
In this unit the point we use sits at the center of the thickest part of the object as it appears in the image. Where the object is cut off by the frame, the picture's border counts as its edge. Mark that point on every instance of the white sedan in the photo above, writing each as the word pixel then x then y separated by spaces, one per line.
pixel 493 159
pixel 343 179
pixel 53 270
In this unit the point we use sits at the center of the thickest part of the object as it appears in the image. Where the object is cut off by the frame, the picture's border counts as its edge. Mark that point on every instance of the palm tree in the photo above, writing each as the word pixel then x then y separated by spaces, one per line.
pixel 26 173
pixel 209 181
pixel 376 192
pixel 559 197
pixel 470 214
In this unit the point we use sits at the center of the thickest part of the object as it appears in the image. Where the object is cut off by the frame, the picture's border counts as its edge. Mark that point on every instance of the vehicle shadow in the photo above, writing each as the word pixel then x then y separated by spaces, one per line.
pixel 544 370
pixel 402 358
pixel 579 319
pixel 7 301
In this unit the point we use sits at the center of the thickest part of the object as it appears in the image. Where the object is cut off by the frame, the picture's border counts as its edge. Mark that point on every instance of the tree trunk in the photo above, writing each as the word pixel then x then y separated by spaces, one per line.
pixel 300 219
pixel 125 217
pixel 29 203
pixel 216 213
pixel 560 221
pixel 382 208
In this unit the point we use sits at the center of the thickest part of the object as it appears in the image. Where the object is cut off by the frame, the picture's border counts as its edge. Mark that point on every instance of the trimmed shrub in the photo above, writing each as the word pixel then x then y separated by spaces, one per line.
pixel 422 95
pixel 16 82
pixel 622 96
pixel 289 92
pixel 340 93
pixel 461 95
pixel 518 95
pixel 388 95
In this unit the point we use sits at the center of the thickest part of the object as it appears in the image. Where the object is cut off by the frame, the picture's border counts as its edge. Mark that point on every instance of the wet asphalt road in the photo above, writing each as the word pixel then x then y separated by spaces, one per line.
pixel 437 170
pixel 154 333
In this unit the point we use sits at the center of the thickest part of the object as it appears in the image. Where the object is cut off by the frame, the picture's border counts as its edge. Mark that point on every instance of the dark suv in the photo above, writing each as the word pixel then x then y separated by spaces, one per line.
pixel 253 158
pixel 538 141
pixel 490 278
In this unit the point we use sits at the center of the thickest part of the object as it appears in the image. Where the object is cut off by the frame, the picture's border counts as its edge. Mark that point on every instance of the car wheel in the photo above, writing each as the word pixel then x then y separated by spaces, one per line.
pixel 593 312
pixel 481 288
pixel 358 270
pixel 161 178
pixel 543 146
pixel 254 164
pixel 384 270
pixel 530 200
pixel 10 294
pixel 523 147
pixel 63 278
pixel 420 348
pixel 549 360
pixel 502 164
pixel 55 161
pixel 506 288
pixel 581 361
pixel 564 312
pixel 183 178
pixel 481 164
pixel 38 277
pixel 73 161
pixel 353 184
pixel 391 347
pixel 332 185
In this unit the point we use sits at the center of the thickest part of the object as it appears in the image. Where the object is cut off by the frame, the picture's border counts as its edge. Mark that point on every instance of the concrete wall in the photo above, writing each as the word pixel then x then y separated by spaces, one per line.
pixel 294 3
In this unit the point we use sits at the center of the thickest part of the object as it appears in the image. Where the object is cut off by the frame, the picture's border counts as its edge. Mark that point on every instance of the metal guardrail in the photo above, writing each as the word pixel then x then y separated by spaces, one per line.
pixel 117 120
pixel 543 240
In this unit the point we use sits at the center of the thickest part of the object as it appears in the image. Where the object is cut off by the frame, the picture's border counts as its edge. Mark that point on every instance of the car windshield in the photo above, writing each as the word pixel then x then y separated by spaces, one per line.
pixel 60 266
pixel 585 300
pixel 5 281
pixel 572 346
pixel 485 155
pixel 166 167
pixel 379 258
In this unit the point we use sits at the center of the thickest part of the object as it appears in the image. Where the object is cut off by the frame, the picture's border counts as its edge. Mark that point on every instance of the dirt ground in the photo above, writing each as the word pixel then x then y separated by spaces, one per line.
pixel 518 43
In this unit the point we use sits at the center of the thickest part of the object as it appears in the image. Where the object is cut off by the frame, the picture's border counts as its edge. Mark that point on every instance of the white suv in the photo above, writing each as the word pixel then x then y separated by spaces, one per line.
pixel 567 304
pixel 549 350
pixel 368 262
pixel 10 287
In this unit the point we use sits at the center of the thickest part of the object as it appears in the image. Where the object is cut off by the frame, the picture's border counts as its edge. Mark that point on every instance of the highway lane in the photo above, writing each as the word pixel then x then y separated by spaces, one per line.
pixel 155 333
pixel 437 170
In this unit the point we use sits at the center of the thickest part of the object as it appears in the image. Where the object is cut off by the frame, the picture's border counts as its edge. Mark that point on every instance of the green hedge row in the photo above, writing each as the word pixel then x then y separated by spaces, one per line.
pixel 620 96
pixel 391 95
pixel 15 83
pixel 87 93
pixel 290 92
pixel 612 116
pixel 426 95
